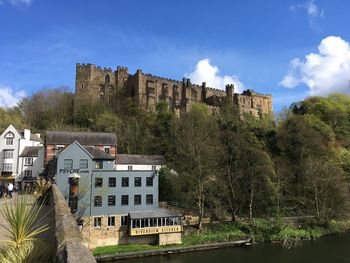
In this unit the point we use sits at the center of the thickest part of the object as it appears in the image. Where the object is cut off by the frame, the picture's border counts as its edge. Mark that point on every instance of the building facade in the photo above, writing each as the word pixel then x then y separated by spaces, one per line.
pixel 148 90
pixel 128 162
pixel 116 206
pixel 21 156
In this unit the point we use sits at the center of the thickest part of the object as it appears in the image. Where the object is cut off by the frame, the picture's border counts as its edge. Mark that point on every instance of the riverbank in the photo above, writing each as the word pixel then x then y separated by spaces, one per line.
pixel 220 235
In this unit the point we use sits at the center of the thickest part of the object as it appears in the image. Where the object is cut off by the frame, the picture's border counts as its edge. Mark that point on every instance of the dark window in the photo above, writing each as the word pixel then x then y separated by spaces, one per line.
pixel 137 181
pixel 107 148
pixel 83 164
pixel 125 200
pixel 111 200
pixel 154 167
pixel 112 182
pixel 125 181
pixel 28 173
pixel 98 182
pixel 68 163
pixel 149 199
pixel 137 199
pixel 99 165
pixel 111 221
pixel 98 201
pixel 124 220
pixel 8 154
pixel 107 80
pixel 28 161
pixel 130 167
pixel 97 221
pixel 9 141
pixel 149 181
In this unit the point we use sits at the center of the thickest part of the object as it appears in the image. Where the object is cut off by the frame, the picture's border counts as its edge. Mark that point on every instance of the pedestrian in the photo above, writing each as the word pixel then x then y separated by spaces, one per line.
pixel 10 189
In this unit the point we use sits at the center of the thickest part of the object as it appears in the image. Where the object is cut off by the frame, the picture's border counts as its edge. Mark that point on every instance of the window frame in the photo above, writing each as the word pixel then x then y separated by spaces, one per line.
pixel 149 181
pixel 111 221
pixel 110 182
pixel 6 153
pixel 138 181
pixel 136 197
pixel 98 201
pixel 126 180
pixel 147 199
pixel 28 161
pixel 98 164
pixel 113 203
pixel 97 221
pixel 122 200
pixel 25 174
pixel 98 182
pixel 83 161
pixel 65 161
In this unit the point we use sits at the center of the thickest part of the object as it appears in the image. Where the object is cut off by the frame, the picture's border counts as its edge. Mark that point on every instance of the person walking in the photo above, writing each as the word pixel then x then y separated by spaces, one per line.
pixel 10 189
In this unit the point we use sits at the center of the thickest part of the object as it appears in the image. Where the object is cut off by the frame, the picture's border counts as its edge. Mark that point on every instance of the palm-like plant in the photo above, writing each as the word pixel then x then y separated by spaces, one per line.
pixel 41 187
pixel 22 219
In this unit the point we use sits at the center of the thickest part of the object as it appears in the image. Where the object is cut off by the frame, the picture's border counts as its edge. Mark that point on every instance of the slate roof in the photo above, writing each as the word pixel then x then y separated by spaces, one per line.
pixel 33 137
pixel 161 212
pixel 140 159
pixel 30 151
pixel 84 138
pixel 97 153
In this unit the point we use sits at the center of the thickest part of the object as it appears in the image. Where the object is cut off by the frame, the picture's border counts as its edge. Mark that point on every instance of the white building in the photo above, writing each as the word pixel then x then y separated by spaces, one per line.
pixel 21 155
pixel 127 162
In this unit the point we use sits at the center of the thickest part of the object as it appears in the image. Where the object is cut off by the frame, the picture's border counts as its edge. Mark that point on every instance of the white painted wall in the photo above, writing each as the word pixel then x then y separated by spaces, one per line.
pixel 136 167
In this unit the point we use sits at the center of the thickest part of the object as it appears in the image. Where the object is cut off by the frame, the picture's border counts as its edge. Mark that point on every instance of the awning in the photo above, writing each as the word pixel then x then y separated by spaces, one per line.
pixel 7 177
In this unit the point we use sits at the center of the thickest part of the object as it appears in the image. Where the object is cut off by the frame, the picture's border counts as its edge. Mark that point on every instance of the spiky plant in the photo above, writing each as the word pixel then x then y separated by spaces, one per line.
pixel 22 220
pixel 41 187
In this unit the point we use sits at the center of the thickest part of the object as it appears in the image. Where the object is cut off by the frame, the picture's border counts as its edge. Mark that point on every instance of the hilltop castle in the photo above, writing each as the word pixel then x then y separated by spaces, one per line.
pixel 93 82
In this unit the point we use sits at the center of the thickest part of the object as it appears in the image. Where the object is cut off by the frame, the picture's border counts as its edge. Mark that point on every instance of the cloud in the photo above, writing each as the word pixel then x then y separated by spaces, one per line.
pixel 10 97
pixel 205 72
pixel 313 11
pixel 17 2
pixel 324 72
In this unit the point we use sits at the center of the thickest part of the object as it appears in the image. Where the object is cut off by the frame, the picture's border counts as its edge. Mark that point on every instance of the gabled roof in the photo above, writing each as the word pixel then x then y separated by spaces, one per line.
pixel 140 159
pixel 92 151
pixel 84 138
pixel 30 151
pixel 96 153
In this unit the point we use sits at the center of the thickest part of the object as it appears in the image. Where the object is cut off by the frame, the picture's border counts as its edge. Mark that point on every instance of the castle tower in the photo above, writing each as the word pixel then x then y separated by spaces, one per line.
pixel 204 92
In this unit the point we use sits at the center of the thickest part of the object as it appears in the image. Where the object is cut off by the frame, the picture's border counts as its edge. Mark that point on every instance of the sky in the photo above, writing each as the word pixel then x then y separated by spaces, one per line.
pixel 290 49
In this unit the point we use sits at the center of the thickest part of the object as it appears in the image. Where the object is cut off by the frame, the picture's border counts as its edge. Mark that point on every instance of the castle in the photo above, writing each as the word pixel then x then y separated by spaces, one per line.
pixel 93 82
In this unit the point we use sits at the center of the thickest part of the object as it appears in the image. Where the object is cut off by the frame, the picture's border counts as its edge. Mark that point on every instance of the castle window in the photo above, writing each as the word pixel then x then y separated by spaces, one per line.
pixel 82 86
pixel 107 80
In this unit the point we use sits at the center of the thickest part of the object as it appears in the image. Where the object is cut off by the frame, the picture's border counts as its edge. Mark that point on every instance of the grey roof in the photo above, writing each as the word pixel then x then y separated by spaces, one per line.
pixel 33 137
pixel 97 153
pixel 140 159
pixel 30 151
pixel 161 212
pixel 84 138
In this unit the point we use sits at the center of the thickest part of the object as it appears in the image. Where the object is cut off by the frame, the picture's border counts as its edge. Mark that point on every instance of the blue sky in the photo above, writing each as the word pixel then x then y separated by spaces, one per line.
pixel 290 49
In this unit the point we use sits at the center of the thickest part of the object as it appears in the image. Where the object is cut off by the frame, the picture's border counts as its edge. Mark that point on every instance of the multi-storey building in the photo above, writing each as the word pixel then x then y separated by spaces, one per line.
pixel 128 162
pixel 117 206
pixel 93 82
pixel 21 156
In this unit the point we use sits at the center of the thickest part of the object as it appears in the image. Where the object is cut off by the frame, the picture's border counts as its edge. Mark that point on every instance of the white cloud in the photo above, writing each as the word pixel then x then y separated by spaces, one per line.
pixel 17 2
pixel 10 97
pixel 205 72
pixel 313 12
pixel 324 72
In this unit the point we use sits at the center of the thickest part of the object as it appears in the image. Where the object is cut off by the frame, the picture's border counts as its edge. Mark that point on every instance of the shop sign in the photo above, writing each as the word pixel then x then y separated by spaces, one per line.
pixel 70 171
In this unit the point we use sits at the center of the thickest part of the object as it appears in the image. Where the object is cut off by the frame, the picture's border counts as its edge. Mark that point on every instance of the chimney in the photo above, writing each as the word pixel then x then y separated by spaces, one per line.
pixel 26 134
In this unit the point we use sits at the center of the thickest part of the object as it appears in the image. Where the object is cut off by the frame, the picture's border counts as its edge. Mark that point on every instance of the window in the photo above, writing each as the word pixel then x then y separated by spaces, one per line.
pixel 8 153
pixel 111 200
pixel 7 167
pixel 98 201
pixel 125 200
pixel 28 161
pixel 107 148
pixel 28 173
pixel 137 181
pixel 59 147
pixel 125 181
pixel 83 164
pixel 130 167
pixel 149 199
pixel 124 220
pixel 68 163
pixel 137 199
pixel 97 221
pixel 99 165
pixel 154 167
pixel 111 221
pixel 98 182
pixel 9 138
pixel 149 181
pixel 112 182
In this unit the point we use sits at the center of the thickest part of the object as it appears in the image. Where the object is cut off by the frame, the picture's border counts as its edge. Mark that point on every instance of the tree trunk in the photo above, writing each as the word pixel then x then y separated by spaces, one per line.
pixel 251 202
pixel 316 203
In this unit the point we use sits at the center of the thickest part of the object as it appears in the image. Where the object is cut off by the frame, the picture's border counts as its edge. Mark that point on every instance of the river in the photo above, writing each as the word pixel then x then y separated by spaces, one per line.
pixel 335 249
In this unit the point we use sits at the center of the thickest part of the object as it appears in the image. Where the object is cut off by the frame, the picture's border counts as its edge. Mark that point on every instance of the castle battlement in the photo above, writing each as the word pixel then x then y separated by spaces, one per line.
pixel 95 82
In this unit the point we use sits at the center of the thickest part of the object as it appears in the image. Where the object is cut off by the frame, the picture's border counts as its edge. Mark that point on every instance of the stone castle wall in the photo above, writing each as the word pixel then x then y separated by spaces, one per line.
pixel 96 83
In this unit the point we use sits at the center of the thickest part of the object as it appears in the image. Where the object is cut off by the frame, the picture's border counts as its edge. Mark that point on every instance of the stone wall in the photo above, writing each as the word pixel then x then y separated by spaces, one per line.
pixel 68 238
